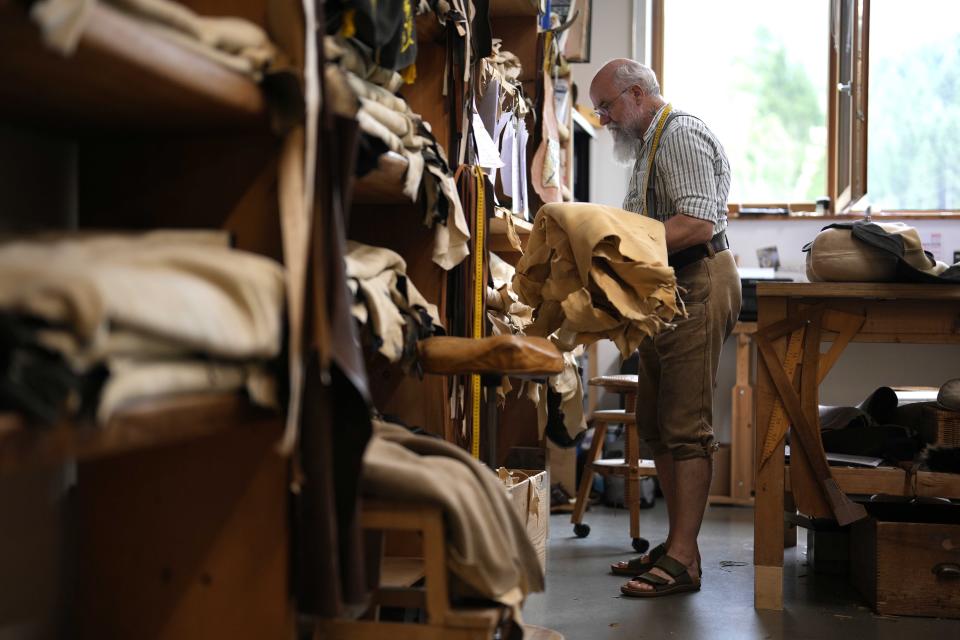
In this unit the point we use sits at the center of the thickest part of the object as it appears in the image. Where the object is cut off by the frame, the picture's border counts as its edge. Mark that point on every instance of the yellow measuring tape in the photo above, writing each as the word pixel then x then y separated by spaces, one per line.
pixel 653 153
pixel 479 290
pixel 778 418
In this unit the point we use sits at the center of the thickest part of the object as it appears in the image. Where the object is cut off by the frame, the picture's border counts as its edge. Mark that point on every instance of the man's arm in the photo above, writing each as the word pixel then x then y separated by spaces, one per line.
pixel 684 231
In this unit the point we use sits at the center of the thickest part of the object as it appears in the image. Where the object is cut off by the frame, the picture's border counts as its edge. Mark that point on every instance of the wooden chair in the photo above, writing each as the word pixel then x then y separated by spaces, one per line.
pixel 631 467
pixel 443 622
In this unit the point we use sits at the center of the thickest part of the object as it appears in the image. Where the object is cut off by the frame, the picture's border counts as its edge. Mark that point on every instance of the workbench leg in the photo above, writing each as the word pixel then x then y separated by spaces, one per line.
pixel 768 504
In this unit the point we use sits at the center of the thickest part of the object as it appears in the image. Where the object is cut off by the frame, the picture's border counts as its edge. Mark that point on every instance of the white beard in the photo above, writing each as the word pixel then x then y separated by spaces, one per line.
pixel 624 146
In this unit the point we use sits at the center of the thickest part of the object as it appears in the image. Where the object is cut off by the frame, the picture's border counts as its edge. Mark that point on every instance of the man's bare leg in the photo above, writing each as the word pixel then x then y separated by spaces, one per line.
pixel 667 478
pixel 692 486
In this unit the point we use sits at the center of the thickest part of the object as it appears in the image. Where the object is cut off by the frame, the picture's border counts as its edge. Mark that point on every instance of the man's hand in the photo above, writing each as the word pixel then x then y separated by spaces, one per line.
pixel 685 231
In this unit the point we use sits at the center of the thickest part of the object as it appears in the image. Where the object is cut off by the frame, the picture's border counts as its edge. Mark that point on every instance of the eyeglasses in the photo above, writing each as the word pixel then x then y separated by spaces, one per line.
pixel 604 108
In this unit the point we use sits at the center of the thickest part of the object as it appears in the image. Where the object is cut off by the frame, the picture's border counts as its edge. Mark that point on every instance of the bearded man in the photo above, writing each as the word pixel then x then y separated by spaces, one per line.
pixel 680 177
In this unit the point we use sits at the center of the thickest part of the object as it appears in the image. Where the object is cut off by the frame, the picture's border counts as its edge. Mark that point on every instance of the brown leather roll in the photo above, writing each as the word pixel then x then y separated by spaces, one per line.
pixel 517 356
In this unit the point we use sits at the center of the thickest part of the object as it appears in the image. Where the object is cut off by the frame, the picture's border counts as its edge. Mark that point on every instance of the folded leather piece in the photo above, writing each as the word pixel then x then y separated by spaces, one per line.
pixel 593 272
pixel 488 552
pixel 235 43
pixel 515 356
pixel 133 380
pixel 387 303
pixel 158 313
pixel 206 298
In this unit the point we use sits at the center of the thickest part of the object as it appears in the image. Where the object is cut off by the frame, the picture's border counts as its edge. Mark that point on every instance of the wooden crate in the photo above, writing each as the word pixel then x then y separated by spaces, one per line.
pixel 908 568
pixel 941 426
pixel 530 496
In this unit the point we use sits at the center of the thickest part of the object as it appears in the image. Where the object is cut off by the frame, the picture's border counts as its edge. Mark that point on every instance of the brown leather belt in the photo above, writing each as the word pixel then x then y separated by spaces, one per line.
pixel 688 256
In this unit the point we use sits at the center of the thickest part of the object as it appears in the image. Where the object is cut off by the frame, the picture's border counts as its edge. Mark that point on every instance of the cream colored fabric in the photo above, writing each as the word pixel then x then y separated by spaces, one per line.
pixel 488 552
pixel 209 299
pixel 374 273
pixel 594 272
pixel 134 380
pixel 836 256
pixel 233 42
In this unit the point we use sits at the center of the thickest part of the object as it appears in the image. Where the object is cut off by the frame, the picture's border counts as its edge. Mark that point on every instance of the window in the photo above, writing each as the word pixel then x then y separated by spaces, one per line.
pixel 756 72
pixel 785 85
pixel 913 157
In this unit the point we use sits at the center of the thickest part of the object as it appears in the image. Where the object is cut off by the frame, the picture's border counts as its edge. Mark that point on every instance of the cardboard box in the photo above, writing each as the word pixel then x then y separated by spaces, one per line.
pixel 530 496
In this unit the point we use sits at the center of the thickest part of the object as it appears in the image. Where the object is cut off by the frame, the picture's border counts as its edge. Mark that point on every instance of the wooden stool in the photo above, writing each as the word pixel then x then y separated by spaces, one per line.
pixel 632 468
pixel 442 620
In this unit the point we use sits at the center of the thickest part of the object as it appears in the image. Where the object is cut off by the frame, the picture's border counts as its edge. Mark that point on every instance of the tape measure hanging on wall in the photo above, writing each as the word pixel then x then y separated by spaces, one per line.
pixel 479 292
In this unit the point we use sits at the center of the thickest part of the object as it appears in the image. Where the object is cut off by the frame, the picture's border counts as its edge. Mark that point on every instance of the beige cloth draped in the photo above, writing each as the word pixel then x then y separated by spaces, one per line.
pixel 488 552
pixel 594 272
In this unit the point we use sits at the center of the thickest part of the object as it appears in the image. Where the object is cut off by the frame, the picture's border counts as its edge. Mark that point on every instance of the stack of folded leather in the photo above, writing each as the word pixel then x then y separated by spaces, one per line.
pixel 593 272
pixel 105 320
pixel 365 91
pixel 393 313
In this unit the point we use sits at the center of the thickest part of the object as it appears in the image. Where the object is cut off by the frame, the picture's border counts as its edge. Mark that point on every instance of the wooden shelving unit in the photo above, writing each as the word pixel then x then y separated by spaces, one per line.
pixel 134 131
pixel 154 423
pixel 121 76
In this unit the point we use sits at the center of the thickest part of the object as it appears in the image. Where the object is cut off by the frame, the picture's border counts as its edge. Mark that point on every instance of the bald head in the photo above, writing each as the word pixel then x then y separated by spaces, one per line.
pixel 621 73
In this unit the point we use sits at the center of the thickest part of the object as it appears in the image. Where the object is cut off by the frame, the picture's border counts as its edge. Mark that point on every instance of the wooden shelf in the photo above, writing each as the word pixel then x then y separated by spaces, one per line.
pixel 511 8
pixel 383 185
pixel 149 424
pixel 121 76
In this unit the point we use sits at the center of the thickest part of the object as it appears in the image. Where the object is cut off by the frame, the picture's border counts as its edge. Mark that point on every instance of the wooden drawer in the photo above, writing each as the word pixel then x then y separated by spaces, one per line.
pixel 908 568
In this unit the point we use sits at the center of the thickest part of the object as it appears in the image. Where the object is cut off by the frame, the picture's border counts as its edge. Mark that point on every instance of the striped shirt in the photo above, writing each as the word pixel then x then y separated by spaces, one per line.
pixel 692 176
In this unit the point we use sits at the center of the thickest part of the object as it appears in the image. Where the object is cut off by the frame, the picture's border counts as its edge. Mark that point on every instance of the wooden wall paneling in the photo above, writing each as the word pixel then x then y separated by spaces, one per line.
pixel 425 95
pixel 519 35
pixel 217 181
pixel 517 424
pixel 189 541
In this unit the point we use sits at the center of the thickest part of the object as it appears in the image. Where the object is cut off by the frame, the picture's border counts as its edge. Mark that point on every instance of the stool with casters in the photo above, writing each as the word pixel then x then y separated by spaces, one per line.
pixel 631 467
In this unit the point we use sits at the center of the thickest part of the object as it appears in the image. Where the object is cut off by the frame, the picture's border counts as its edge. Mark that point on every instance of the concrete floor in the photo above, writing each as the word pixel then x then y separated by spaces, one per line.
pixel 583 601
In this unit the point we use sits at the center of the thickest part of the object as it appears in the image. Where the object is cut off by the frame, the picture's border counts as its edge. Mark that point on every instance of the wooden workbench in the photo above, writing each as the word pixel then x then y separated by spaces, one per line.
pixel 902 313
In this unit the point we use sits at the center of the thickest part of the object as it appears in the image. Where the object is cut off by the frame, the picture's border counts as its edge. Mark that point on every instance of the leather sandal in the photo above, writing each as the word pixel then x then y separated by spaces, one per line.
pixel 682 581
pixel 636 566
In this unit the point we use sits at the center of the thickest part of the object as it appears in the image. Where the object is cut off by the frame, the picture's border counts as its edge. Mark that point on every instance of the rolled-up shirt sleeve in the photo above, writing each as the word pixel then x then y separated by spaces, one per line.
pixel 687 161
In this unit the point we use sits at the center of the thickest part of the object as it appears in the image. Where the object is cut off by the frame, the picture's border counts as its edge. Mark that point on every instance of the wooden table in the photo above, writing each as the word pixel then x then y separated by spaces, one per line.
pixel 882 313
